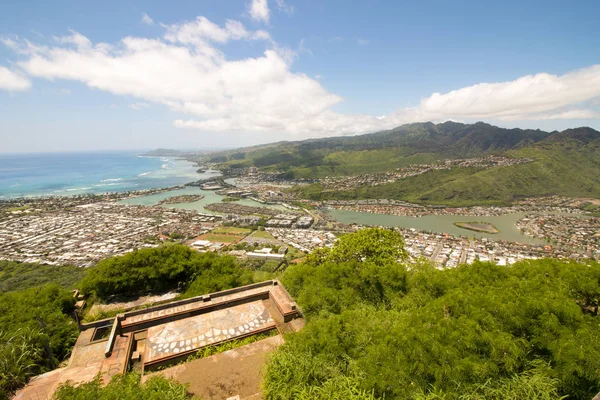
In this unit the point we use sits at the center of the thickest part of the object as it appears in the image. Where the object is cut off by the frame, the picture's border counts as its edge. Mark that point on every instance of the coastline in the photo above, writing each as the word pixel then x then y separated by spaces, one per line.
pixel 114 174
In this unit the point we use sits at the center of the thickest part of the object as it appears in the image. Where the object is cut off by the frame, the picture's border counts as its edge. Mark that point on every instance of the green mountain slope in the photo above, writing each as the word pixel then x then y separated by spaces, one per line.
pixel 381 151
pixel 565 163
pixel 567 170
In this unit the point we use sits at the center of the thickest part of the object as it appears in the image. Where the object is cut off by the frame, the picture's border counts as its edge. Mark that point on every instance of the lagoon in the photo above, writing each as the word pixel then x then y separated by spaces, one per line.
pixel 209 198
pixel 441 224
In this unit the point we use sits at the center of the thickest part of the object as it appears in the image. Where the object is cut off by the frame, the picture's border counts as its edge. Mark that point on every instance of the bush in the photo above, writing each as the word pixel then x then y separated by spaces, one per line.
pixel 410 331
pixel 22 340
pixel 161 269
pixel 18 276
pixel 124 387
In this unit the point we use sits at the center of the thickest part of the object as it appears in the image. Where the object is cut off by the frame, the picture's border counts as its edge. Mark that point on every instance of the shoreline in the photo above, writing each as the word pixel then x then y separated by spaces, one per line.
pixel 471 226
pixel 115 194
pixel 92 196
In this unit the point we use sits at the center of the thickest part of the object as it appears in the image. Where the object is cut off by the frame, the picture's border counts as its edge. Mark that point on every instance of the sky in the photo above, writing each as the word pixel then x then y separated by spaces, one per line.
pixel 208 74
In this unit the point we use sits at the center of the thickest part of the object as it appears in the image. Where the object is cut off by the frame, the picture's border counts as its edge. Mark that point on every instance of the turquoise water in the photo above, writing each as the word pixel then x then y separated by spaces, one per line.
pixel 209 198
pixel 442 224
pixel 90 172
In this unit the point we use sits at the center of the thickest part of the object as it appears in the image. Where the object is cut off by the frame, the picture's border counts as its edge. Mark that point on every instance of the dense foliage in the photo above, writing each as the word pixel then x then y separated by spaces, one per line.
pixel 17 276
pixel 380 327
pixel 161 269
pixel 125 387
pixel 22 339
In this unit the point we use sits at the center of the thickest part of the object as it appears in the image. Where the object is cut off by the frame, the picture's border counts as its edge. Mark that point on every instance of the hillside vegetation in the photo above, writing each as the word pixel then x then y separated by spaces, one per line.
pixel 157 270
pixel 18 276
pixel 23 340
pixel 379 327
pixel 565 163
pixel 559 169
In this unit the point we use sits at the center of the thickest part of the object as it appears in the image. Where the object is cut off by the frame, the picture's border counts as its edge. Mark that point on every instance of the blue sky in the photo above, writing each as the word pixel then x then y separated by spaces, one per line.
pixel 209 74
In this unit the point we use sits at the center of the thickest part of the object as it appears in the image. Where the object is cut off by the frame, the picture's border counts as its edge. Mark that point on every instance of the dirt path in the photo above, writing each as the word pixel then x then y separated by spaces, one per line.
pixel 234 372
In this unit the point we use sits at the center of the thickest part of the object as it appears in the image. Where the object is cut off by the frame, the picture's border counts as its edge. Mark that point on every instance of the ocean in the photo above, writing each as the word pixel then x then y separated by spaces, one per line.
pixel 62 174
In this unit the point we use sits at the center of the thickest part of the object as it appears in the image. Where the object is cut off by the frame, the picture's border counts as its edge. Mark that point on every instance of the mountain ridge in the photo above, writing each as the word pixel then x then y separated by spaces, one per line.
pixel 564 163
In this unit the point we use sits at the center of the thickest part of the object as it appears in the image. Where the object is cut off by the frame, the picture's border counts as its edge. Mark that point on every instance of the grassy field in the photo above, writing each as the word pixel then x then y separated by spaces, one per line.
pixel 231 230
pixel 262 235
pixel 22 208
pixel 221 238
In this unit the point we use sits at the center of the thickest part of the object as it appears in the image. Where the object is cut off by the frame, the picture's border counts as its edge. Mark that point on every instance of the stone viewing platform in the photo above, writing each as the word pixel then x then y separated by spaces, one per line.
pixel 167 334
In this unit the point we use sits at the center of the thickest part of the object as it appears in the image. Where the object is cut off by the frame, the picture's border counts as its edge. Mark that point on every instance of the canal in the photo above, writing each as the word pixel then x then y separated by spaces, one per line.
pixel 441 224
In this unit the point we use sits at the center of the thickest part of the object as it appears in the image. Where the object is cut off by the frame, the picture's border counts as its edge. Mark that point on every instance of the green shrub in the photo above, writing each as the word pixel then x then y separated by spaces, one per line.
pixel 410 331
pixel 124 387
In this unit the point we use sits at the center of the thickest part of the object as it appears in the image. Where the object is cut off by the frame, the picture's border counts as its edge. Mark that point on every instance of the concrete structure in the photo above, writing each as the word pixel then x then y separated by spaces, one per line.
pixel 304 222
pixel 201 244
pixel 159 336
pixel 286 223
pixel 266 256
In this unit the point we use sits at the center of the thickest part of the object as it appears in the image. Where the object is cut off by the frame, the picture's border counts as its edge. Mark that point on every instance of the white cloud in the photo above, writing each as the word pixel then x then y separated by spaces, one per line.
pixel 259 10
pixel 531 97
pixel 362 42
pixel 12 81
pixel 76 39
pixel 147 20
pixel 286 8
pixel 187 72
pixel 138 106
pixel 202 31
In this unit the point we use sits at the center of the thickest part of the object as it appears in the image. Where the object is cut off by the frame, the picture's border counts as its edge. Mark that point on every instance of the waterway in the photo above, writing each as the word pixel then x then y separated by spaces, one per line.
pixel 209 198
pixel 441 224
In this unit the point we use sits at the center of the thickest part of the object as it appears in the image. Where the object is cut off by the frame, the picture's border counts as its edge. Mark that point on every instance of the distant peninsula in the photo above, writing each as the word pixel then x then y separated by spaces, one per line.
pixel 483 227
pixel 184 198
pixel 163 153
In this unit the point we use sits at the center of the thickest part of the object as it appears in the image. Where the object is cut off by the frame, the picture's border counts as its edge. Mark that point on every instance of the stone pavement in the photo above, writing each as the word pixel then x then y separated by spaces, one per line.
pixel 205 329
pixel 166 331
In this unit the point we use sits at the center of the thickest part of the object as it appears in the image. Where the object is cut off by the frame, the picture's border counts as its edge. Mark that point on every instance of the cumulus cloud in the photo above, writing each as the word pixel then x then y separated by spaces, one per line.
pixel 202 31
pixel 531 97
pixel 76 39
pixel 259 10
pixel 284 7
pixel 138 106
pixel 147 20
pixel 362 42
pixel 12 81
pixel 187 72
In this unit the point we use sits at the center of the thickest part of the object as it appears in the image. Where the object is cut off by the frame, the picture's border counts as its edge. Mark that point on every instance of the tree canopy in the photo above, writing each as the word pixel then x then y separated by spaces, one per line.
pixel 22 339
pixel 161 269
pixel 16 275
pixel 383 327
